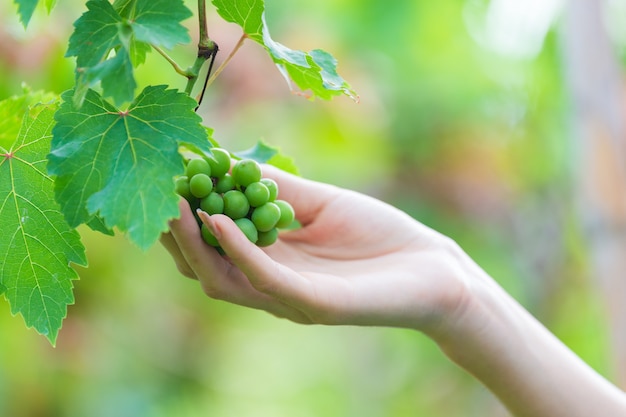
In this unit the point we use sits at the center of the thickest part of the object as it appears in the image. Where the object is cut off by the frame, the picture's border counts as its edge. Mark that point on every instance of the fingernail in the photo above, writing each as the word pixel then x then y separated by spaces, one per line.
pixel 208 222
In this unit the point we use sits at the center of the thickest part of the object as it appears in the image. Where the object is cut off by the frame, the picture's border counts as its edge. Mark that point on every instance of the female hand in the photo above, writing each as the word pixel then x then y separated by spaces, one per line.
pixel 356 260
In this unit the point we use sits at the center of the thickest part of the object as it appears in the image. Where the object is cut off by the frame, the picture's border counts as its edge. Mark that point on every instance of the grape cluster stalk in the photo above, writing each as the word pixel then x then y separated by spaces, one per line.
pixel 240 193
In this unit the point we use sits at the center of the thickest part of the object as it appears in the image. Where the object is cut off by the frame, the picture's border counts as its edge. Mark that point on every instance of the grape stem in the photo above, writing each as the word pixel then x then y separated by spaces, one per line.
pixel 207 50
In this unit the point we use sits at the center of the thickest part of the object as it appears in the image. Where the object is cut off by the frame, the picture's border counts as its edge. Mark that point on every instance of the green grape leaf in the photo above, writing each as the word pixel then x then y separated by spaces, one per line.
pixel 120 164
pixel 97 33
pixel 264 153
pixel 12 112
pixel 260 152
pixel 109 39
pixel 25 9
pixel 284 162
pixel 37 245
pixel 96 223
pixel 315 71
pixel 156 22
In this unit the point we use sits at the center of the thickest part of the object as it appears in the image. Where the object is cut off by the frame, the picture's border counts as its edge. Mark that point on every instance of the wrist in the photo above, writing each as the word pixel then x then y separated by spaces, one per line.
pixel 478 310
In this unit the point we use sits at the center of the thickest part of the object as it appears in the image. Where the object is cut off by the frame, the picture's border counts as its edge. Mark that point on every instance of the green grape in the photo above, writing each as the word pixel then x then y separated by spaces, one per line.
pixel 257 194
pixel 198 166
pixel 267 238
pixel 248 229
pixel 225 183
pixel 287 214
pixel 219 162
pixel 212 203
pixel 200 185
pixel 236 204
pixel 182 187
pixel 246 171
pixel 272 187
pixel 265 217
pixel 207 236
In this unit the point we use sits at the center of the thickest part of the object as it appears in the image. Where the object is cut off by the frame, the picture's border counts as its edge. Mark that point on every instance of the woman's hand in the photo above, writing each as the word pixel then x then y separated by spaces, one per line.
pixel 359 261
pixel 356 260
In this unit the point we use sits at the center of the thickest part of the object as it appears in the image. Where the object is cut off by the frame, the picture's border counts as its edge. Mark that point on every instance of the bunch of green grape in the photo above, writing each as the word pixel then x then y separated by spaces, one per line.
pixel 241 194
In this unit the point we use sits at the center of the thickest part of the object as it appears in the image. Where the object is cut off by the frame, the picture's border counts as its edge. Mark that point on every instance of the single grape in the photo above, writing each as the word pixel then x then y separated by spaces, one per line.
pixel 236 204
pixel 225 183
pixel 257 194
pixel 182 187
pixel 246 171
pixel 248 229
pixel 198 166
pixel 200 185
pixel 207 236
pixel 267 238
pixel 287 214
pixel 212 203
pixel 219 161
pixel 272 187
pixel 265 217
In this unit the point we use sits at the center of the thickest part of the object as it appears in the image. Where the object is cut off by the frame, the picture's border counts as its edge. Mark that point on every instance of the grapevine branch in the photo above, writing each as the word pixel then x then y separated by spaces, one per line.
pixel 207 50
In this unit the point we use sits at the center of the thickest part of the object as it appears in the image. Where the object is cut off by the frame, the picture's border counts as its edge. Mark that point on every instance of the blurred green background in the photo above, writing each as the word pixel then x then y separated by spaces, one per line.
pixel 462 122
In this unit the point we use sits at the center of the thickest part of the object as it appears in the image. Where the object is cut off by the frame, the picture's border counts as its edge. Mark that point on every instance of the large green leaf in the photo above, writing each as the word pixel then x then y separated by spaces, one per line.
pixel 120 164
pixel 315 71
pixel 37 245
pixel 108 39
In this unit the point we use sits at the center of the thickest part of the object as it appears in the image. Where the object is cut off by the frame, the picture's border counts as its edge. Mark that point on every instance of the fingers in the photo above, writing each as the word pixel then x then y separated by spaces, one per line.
pixel 169 243
pixel 266 276
pixel 219 278
pixel 192 256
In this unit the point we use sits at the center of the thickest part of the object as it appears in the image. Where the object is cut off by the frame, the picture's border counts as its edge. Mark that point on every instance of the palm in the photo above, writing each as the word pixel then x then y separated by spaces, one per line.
pixel 355 253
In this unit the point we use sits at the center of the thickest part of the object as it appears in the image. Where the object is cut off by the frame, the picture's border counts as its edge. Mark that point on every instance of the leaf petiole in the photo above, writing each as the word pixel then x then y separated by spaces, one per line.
pixel 177 68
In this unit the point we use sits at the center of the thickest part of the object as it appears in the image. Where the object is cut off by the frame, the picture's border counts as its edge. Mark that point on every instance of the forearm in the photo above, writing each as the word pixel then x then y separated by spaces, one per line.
pixel 523 364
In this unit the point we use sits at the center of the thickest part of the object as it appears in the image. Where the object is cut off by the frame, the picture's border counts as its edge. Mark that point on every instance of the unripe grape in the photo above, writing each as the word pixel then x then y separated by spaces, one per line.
pixel 272 187
pixel 265 217
pixel 200 185
pixel 212 203
pixel 181 185
pixel 225 183
pixel 287 214
pixel 246 171
pixel 198 166
pixel 207 236
pixel 236 204
pixel 267 238
pixel 219 162
pixel 257 194
pixel 248 229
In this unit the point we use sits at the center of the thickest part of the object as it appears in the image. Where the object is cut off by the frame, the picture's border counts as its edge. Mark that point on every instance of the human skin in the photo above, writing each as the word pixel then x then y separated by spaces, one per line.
pixel 359 261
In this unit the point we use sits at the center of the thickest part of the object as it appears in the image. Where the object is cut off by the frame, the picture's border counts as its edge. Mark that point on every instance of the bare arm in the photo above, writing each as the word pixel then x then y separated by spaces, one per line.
pixel 522 363
pixel 357 260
